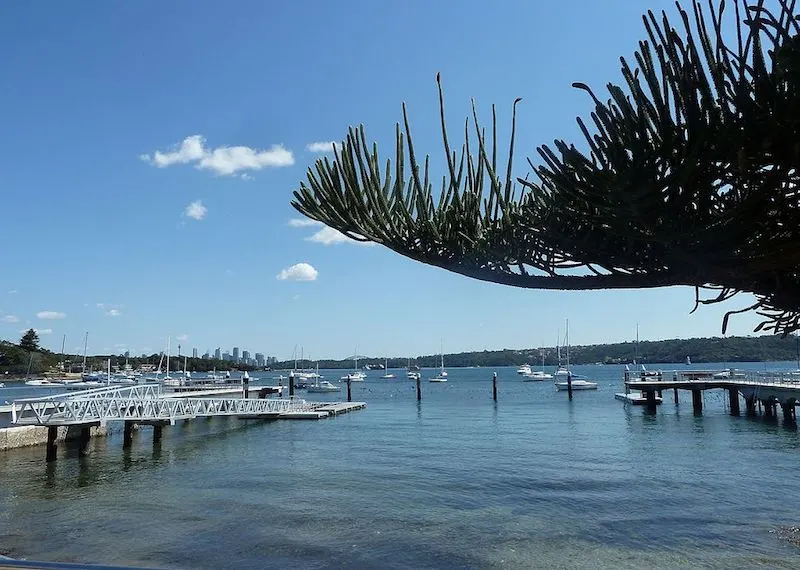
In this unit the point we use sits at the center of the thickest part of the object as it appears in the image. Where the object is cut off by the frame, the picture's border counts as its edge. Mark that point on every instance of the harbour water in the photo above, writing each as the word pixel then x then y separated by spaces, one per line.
pixel 533 481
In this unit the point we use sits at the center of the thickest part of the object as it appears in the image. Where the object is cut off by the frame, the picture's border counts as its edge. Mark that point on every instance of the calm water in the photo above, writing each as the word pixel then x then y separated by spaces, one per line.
pixel 533 481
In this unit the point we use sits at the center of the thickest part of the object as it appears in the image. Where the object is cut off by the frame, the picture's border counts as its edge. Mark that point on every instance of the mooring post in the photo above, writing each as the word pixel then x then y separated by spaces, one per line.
pixel 787 411
pixel 52 446
pixel 675 395
pixel 494 386
pixel 246 386
pixel 127 435
pixel 569 385
pixel 349 395
pixel 733 397
pixel 83 441
pixel 291 384
pixel 697 401
pixel 750 405
pixel 158 431
pixel 419 388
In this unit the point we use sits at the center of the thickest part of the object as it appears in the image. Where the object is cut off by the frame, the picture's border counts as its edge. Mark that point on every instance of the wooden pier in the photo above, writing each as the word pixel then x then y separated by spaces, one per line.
pixel 765 391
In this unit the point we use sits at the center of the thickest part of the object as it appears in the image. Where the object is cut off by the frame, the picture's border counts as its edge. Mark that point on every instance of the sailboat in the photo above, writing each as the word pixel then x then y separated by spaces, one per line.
pixel 387 374
pixel 168 380
pixel 442 375
pixel 537 375
pixel 356 375
pixel 577 382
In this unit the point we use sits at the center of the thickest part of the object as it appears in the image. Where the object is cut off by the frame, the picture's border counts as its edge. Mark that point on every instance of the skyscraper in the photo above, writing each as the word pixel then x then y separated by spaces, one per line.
pixel 246 356
pixel 236 354
pixel 259 359
pixel 194 353
pixel 218 354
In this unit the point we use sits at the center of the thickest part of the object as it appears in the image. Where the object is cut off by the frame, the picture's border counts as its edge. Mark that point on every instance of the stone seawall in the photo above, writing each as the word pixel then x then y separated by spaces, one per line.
pixel 25 436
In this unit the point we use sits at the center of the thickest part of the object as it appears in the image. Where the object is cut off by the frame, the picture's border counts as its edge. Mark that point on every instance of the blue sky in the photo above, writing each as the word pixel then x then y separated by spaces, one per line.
pixel 151 148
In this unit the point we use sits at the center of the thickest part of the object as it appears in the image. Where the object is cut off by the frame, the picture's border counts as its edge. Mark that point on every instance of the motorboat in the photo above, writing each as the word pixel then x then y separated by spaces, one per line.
pixel 414 375
pixel 356 376
pixel 578 384
pixel 323 386
pixel 525 369
pixel 537 376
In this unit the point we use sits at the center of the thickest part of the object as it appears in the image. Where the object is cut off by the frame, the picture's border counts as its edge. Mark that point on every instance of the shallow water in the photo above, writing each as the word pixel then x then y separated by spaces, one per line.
pixel 454 481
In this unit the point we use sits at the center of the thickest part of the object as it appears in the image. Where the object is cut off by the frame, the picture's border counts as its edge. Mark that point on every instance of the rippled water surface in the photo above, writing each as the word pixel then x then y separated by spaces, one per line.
pixel 533 481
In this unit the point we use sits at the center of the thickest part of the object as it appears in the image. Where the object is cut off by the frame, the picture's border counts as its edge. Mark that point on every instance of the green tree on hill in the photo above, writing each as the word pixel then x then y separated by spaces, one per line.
pixel 29 341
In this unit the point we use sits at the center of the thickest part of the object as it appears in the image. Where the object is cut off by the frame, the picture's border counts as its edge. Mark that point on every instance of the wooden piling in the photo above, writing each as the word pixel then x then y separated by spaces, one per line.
pixel 697 401
pixel 127 435
pixel 750 405
pixel 349 394
pixel 52 446
pixel 675 395
pixel 494 386
pixel 291 383
pixel 245 386
pixel 158 431
pixel 419 389
pixel 652 403
pixel 787 407
pixel 569 385
pixel 733 397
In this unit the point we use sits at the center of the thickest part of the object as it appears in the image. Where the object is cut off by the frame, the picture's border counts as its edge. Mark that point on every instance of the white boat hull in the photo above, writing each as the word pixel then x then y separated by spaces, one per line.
pixel 577 385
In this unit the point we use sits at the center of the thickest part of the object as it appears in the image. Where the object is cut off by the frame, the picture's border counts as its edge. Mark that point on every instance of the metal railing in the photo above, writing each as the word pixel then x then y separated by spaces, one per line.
pixel 143 403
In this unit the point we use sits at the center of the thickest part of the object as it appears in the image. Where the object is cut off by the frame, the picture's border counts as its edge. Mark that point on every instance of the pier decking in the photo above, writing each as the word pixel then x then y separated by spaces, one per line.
pixel 149 404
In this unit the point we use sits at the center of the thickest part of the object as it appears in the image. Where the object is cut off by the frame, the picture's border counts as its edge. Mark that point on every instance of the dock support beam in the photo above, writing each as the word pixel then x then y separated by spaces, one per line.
pixel 83 441
pixel 733 397
pixel 494 386
pixel 675 394
pixel 127 435
pixel 419 389
pixel 697 401
pixel 750 405
pixel 788 411
pixel 652 404
pixel 769 409
pixel 158 431
pixel 52 446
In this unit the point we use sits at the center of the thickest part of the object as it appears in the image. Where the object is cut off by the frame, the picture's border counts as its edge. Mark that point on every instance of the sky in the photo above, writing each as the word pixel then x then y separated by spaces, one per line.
pixel 150 151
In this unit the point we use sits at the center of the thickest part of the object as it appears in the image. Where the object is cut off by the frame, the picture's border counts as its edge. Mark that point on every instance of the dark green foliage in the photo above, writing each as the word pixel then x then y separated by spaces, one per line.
pixel 691 178
pixel 29 341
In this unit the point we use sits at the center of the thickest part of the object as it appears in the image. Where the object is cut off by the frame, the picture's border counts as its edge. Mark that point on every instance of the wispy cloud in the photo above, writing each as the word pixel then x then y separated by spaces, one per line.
pixel 303 223
pixel 38 331
pixel 12 291
pixel 9 319
pixel 113 313
pixel 50 315
pixel 196 210
pixel 322 146
pixel 324 235
pixel 222 160
pixel 298 272
pixel 182 337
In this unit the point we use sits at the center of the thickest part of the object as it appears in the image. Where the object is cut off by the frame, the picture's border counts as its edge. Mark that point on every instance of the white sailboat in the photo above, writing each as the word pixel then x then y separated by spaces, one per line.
pixel 169 380
pixel 356 375
pixel 321 386
pixel 537 375
pixel 442 375
pixel 386 373
pixel 578 382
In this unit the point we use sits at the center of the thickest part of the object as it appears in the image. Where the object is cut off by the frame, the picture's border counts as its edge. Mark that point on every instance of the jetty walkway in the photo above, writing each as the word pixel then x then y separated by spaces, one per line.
pixel 150 404
pixel 760 389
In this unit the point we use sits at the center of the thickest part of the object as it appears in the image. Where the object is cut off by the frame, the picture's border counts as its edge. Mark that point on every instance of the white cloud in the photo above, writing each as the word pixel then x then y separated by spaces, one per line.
pixel 9 319
pixel 113 313
pixel 223 160
pixel 330 236
pixel 50 315
pixel 321 146
pixel 196 210
pixel 303 223
pixel 246 176
pixel 298 272
pixel 182 337
pixel 12 291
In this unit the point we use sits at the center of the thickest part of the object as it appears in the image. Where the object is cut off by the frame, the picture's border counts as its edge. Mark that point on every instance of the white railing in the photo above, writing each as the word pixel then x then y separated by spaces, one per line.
pixel 143 403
